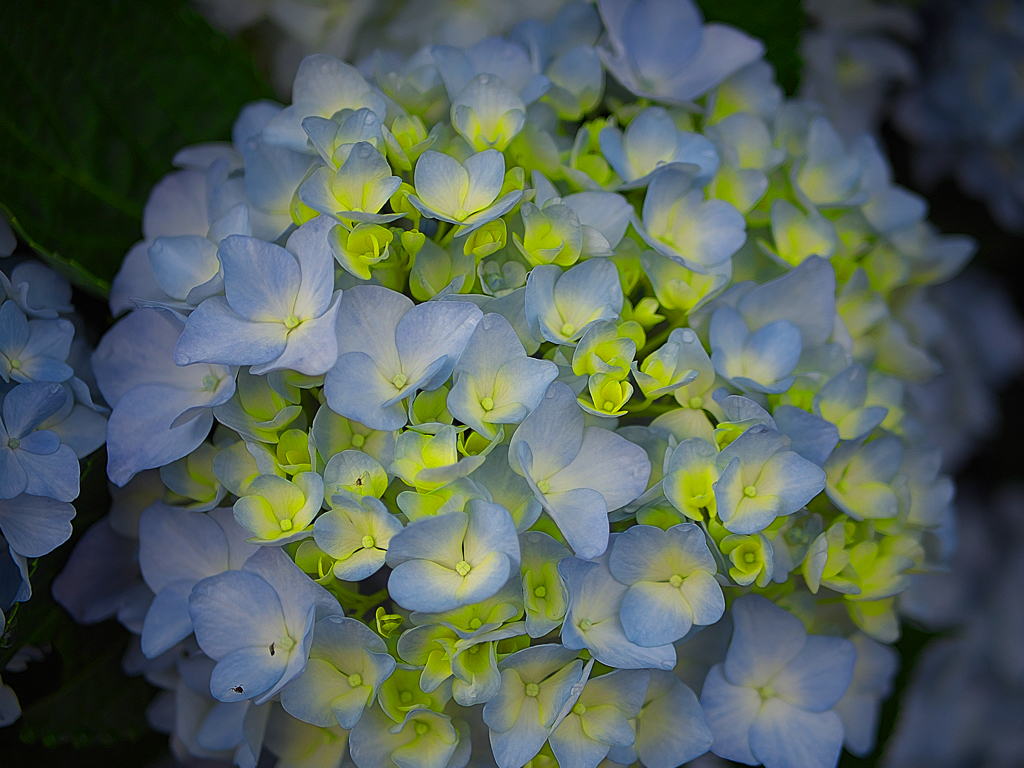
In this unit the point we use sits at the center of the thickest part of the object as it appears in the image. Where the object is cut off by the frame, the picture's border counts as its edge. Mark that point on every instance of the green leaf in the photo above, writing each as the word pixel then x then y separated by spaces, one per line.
pixel 777 22
pixel 97 96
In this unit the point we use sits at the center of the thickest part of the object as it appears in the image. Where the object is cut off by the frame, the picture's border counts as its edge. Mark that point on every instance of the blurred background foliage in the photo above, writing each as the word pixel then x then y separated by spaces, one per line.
pixel 97 97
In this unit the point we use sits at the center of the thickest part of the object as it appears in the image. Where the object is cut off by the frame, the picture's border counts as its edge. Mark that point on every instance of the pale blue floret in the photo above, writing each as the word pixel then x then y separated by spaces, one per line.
pixel 423 738
pixel 579 474
pixel 332 434
pixel 187 267
pixel 861 476
pixel 508 488
pixel 413 83
pixel 278 311
pixel 257 624
pixel 462 193
pixel 353 474
pixel 603 217
pixel 676 359
pixel 671 580
pixel 323 87
pixel 842 402
pixel 805 296
pixel 812 436
pixel 357 535
pixel 762 478
pixel 560 306
pixel 541 556
pixel 38 291
pixel 34 526
pixel 336 137
pixel 33 350
pixel 455 559
pixel 538 686
pixel 33 460
pixel 505 59
pixel 652 143
pixel 495 381
pixel 388 350
pixel 177 549
pixel 759 361
pixel 889 207
pixel 79 423
pixel 593 619
pixel 662 50
pixel 487 113
pixel 600 719
pixel 273 174
pixel 356 191
pixel 347 664
pixel 679 223
pixel 577 82
pixel 829 175
pixel 770 701
pixel 860 707
pixel 670 730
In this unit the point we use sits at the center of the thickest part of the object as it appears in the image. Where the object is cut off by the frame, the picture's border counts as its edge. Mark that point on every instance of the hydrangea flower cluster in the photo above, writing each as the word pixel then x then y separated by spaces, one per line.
pixel 964 116
pixel 492 409
pixel 48 421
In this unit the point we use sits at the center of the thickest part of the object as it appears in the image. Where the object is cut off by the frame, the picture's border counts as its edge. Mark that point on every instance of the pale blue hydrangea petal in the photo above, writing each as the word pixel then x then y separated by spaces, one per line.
pixel 671 728
pixel 215 333
pixel 792 478
pixel 323 86
pixel 508 488
pixel 592 619
pixel 661 50
pixel 518 724
pixel 730 711
pixel 493 56
pixel 494 365
pixel 325 694
pixel 872 683
pixel 142 431
pixel 35 525
pixel 368 321
pixel 606 463
pixel 606 213
pixel 487 113
pixel 783 735
pixel 765 639
pixel 679 223
pixel 817 677
pixel 805 296
pixel 356 389
pixel 813 438
pixel 560 306
pixel 655 614
pixel 239 616
pixel 432 331
pixel 553 431
pixel 182 262
pixel 647 553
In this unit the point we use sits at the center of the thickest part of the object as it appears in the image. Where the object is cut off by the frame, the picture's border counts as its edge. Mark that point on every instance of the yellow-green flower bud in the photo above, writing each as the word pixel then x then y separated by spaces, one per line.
pixel 488 239
pixel 361 248
pixel 431 407
pixel 293 452
pixel 400 203
pixel 752 559
pixel 608 394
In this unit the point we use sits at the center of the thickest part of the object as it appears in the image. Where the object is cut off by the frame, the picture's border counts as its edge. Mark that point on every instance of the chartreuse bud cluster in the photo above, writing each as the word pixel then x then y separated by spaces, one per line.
pixel 491 395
